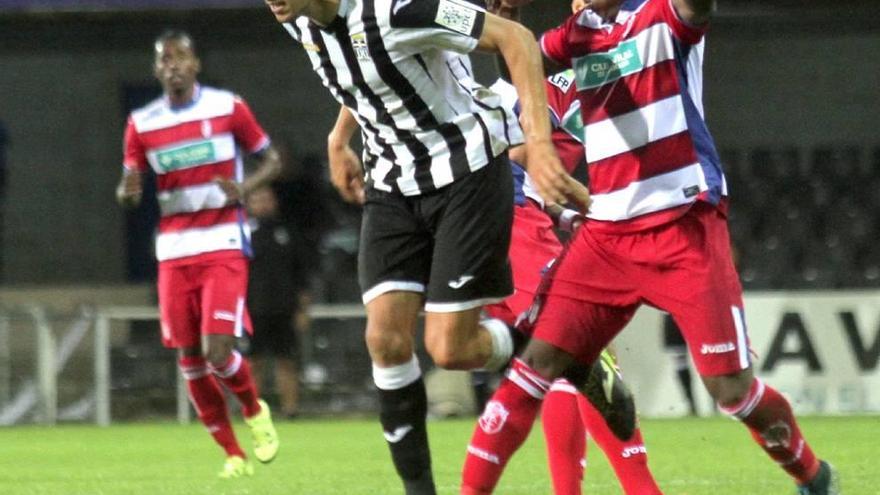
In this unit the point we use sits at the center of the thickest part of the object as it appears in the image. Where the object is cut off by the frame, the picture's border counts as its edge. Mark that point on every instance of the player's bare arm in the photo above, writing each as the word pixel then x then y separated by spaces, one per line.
pixel 566 219
pixel 520 52
pixel 130 189
pixel 346 172
pixel 268 170
pixel 694 11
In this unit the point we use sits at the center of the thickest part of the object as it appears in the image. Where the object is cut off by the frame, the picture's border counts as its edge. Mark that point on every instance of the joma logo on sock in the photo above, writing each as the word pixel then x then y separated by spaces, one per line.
pixel 633 450
pixel 717 348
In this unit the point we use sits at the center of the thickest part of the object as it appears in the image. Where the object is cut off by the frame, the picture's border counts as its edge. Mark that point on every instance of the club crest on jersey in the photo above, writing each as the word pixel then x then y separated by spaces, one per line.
pixel 493 417
pixel 207 130
pixel 359 44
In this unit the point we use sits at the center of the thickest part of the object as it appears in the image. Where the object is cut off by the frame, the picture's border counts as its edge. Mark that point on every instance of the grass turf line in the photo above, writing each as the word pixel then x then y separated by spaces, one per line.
pixel 712 456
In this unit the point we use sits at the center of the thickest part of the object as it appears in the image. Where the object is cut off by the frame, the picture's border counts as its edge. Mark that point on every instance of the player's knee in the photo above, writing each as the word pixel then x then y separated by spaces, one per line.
pixel 217 351
pixel 388 345
pixel 729 390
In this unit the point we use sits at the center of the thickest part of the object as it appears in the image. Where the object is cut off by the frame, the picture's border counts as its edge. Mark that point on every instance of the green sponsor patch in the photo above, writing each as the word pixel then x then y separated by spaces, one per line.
pixel 186 156
pixel 601 68
pixel 574 124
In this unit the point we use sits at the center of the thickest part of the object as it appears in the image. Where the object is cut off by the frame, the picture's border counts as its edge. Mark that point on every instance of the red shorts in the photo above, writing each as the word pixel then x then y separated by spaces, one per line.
pixel 201 299
pixel 533 244
pixel 683 267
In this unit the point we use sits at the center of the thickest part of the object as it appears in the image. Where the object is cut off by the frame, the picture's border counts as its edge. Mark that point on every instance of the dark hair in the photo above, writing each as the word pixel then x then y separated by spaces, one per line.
pixel 176 35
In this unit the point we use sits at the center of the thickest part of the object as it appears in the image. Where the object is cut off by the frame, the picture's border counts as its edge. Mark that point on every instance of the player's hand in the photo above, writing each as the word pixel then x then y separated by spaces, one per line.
pixel 553 183
pixel 233 190
pixel 346 173
pixel 130 189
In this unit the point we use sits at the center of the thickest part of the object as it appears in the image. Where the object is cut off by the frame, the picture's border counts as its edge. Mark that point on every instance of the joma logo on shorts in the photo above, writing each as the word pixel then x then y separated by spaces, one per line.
pixel 717 348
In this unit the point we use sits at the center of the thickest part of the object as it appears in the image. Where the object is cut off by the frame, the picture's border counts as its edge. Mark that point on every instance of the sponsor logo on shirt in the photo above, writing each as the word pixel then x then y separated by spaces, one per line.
pixel 186 156
pixel 717 348
pixel 602 68
pixel 455 16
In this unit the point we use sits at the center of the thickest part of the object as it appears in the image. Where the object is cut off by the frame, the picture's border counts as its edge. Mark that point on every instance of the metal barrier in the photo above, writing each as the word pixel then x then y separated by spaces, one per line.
pixel 103 317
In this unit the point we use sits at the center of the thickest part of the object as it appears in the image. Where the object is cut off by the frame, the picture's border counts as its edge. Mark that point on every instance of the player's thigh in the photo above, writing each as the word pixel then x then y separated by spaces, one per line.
pixel 704 297
pixel 395 247
pixel 447 332
pixel 583 301
pixel 178 308
pixel 471 220
pixel 580 328
pixel 223 293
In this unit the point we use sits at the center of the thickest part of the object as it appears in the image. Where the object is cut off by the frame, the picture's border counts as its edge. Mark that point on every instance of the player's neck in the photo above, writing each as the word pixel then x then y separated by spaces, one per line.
pixel 322 12
pixel 181 98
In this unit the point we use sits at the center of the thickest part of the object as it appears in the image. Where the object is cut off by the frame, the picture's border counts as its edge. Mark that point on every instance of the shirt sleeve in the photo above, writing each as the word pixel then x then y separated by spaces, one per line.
pixel 246 129
pixel 556 44
pixel 421 25
pixel 134 156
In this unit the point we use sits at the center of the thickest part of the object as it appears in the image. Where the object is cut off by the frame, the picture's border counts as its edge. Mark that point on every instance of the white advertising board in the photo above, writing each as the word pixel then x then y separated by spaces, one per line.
pixel 821 349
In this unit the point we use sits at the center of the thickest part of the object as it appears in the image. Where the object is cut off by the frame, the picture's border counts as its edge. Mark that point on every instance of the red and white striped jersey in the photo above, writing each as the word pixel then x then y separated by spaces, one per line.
pixel 639 80
pixel 187 147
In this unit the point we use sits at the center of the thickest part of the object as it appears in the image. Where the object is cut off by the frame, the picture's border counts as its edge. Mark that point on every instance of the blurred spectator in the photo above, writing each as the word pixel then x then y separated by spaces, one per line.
pixel 278 295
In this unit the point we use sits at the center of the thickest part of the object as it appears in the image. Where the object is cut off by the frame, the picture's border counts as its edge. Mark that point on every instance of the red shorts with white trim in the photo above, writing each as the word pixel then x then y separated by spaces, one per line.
pixel 683 267
pixel 533 245
pixel 202 299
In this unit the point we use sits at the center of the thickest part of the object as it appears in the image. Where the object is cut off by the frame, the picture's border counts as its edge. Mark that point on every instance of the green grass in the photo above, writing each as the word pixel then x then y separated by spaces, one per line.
pixel 688 456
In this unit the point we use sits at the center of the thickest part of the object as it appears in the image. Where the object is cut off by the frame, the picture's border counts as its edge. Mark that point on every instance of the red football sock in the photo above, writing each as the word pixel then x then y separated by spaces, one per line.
pixel 236 375
pixel 503 427
pixel 565 438
pixel 207 398
pixel 769 417
pixel 629 459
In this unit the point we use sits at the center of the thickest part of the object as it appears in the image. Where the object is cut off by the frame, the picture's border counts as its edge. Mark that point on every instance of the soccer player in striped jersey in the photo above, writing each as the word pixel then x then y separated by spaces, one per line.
pixel 656 233
pixel 437 190
pixel 191 138
pixel 566 414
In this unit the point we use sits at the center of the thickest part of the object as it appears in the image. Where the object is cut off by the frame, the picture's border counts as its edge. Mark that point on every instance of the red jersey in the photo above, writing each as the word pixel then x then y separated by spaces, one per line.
pixel 639 81
pixel 187 147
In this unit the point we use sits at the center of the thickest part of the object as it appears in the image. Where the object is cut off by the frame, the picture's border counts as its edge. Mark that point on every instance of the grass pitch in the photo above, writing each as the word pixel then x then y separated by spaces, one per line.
pixel 712 456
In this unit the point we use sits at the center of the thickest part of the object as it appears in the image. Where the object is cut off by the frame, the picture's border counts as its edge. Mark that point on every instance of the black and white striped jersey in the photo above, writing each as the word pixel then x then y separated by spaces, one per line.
pixel 401 67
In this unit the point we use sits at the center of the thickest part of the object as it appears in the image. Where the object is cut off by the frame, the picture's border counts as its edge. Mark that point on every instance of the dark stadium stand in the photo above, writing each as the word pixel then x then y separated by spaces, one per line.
pixel 805 219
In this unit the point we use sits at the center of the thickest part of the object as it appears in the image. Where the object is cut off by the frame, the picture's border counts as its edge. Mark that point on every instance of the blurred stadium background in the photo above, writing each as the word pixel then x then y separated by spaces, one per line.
pixel 791 96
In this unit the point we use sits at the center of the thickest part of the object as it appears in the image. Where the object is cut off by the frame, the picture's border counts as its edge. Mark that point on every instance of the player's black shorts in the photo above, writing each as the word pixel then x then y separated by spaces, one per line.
pixel 450 244
pixel 274 335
